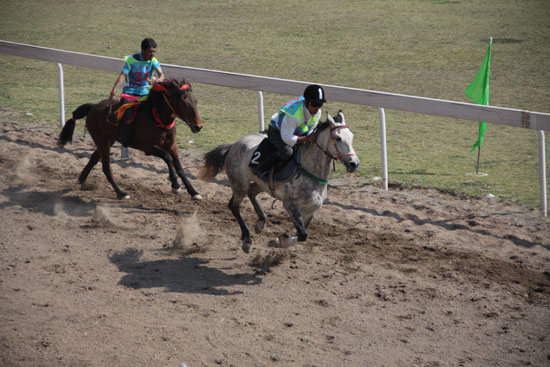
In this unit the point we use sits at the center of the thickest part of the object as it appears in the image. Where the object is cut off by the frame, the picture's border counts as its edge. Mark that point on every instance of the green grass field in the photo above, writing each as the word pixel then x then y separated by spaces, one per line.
pixel 428 48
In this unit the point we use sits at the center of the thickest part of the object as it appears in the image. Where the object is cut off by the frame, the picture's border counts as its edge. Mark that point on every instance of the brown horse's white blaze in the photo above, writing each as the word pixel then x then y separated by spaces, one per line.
pixel 154 131
pixel 302 196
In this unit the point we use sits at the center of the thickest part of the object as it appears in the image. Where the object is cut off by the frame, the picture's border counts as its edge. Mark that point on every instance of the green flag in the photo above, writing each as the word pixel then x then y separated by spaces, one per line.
pixel 478 92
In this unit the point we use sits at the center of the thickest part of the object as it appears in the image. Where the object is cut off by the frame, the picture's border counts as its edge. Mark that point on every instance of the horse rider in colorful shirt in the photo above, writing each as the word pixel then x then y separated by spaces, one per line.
pixel 294 124
pixel 138 71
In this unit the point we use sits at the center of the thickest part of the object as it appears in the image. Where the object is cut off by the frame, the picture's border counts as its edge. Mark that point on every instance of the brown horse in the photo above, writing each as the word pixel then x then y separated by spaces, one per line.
pixel 154 130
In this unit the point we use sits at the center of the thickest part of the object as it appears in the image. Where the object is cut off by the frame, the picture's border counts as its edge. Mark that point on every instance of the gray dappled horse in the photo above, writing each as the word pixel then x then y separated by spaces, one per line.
pixel 302 195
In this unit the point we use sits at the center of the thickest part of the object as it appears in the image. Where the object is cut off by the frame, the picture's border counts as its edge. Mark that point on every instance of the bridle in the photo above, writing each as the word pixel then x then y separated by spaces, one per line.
pixel 339 155
pixel 165 94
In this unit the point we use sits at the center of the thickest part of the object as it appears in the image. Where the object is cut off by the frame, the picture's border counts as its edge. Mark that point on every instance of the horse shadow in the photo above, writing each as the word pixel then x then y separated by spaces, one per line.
pixel 29 144
pixel 84 152
pixel 145 166
pixel 183 275
pixel 50 203
pixel 445 224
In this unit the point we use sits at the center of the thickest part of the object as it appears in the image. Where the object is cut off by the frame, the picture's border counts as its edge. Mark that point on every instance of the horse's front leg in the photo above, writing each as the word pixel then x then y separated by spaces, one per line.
pixel 286 240
pixel 179 169
pixel 295 214
pixel 167 158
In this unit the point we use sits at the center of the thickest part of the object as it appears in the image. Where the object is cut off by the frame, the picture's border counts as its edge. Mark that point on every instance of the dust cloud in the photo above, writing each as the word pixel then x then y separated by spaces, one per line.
pixel 59 210
pixel 189 235
pixel 102 217
pixel 22 170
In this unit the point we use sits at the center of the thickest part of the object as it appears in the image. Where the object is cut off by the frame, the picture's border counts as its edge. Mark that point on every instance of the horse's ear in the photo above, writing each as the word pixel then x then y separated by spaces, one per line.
pixel 330 119
pixel 340 117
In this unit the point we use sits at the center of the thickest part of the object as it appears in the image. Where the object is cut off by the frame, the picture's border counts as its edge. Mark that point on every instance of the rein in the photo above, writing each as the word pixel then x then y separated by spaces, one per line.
pixel 312 176
pixel 339 157
pixel 165 92
pixel 159 121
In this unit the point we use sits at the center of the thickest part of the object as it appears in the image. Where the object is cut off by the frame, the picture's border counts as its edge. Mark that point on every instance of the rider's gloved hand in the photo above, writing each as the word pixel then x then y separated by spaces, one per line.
pixel 307 139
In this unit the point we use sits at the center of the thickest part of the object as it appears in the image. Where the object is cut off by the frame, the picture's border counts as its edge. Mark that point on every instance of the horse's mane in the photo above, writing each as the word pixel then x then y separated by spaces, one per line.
pixel 322 126
pixel 325 124
pixel 170 86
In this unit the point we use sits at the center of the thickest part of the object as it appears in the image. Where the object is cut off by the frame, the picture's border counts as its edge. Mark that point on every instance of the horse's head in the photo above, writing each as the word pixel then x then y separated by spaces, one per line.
pixel 179 96
pixel 339 143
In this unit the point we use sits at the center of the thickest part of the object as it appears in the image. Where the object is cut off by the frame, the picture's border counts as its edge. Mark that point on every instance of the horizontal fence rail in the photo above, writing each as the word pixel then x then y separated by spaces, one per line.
pixel 460 110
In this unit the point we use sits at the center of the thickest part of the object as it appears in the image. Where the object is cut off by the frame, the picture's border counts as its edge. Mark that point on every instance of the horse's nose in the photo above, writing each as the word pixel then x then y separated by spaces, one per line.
pixel 198 125
pixel 352 166
pixel 196 129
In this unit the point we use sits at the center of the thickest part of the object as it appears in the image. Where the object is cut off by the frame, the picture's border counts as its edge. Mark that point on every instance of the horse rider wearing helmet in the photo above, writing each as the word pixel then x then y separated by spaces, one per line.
pixel 294 124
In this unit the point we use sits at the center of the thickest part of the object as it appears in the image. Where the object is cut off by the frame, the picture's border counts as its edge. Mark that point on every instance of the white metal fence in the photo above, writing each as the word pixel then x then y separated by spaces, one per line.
pixel 499 115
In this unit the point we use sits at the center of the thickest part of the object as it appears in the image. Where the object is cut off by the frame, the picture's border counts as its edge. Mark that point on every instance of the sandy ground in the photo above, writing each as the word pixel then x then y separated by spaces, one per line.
pixel 396 278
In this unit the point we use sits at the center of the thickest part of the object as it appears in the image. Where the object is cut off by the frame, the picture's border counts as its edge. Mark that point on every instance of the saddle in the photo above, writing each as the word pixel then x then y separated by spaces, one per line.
pixel 116 111
pixel 280 172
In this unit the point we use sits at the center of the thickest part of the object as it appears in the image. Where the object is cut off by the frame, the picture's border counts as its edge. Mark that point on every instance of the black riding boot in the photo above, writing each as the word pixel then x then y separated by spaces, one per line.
pixel 125 129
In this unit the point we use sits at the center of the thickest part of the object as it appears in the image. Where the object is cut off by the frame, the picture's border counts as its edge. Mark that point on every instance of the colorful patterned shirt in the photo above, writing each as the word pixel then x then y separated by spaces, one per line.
pixel 294 119
pixel 139 74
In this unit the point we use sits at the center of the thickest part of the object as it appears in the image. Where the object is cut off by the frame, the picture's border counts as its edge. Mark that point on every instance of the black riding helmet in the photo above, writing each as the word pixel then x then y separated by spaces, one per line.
pixel 315 95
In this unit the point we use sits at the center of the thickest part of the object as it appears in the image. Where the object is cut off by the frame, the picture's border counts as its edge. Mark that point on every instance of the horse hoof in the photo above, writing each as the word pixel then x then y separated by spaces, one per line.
pixel 196 197
pixel 287 240
pixel 176 191
pixel 247 244
pixel 123 196
pixel 259 226
pixel 274 243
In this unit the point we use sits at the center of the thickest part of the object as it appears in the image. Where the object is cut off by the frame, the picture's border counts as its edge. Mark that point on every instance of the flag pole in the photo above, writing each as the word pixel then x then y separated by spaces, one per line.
pixel 479 147
pixel 478 155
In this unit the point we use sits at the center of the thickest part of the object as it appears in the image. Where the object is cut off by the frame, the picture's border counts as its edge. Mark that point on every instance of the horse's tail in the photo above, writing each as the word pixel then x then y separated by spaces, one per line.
pixel 213 162
pixel 66 135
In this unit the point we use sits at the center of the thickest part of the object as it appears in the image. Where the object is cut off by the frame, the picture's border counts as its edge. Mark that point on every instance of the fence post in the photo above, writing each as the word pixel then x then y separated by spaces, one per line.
pixel 61 93
pixel 261 110
pixel 542 174
pixel 383 151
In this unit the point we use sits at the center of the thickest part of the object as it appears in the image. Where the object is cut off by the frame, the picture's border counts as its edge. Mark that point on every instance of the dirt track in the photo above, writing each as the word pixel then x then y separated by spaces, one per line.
pixel 398 278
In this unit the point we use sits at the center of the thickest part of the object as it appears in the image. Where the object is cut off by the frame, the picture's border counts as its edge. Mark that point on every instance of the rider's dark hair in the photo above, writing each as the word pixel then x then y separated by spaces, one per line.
pixel 148 43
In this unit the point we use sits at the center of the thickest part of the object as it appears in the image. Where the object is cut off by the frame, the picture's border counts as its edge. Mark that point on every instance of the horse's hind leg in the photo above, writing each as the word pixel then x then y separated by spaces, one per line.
pixel 235 207
pixel 86 171
pixel 253 191
pixel 106 165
